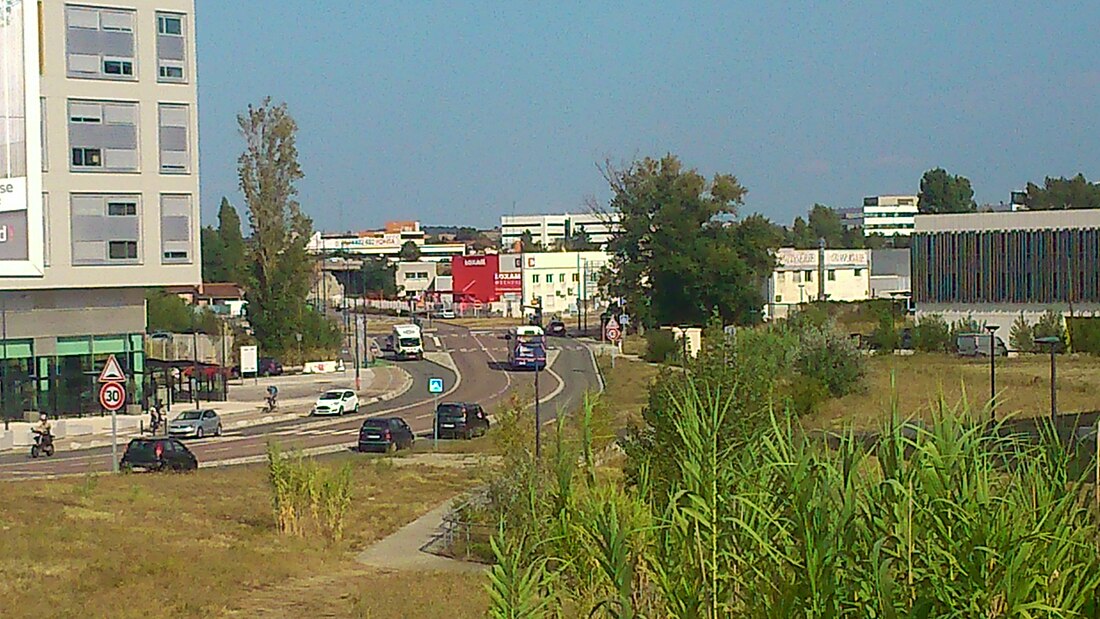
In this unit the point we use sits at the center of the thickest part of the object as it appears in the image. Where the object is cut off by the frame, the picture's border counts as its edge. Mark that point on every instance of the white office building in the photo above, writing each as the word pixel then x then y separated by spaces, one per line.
pixel 550 230
pixel 563 282
pixel 889 215
pixel 801 277
pixel 100 200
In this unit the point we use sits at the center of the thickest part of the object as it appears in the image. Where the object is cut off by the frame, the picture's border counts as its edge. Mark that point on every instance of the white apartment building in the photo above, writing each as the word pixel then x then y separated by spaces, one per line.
pixel 100 189
pixel 384 243
pixel 416 278
pixel 550 230
pixel 800 277
pixel 563 282
pixel 889 215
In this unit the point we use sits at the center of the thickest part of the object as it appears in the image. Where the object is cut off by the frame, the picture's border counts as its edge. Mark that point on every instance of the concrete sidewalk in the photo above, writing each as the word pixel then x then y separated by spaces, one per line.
pixel 379 384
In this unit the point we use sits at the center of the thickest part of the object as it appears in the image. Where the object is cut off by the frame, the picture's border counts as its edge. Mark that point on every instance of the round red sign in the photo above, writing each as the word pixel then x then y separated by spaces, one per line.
pixel 112 396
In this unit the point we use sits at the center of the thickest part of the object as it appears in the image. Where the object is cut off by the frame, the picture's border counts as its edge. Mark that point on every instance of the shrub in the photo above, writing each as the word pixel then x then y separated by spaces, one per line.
pixel 886 337
pixel 932 334
pixel 807 396
pixel 830 357
pixel 660 346
pixel 1021 337
pixel 307 497
pixel 1050 324
pixel 1084 334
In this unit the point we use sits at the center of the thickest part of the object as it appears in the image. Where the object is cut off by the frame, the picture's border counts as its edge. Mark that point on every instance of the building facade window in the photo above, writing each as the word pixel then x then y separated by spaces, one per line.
pixel 832 275
pixel 171 47
pixel 808 276
pixel 535 279
pixel 103 136
pixel 858 272
pixel 106 229
pixel 175 156
pixel 99 43
pixel 175 228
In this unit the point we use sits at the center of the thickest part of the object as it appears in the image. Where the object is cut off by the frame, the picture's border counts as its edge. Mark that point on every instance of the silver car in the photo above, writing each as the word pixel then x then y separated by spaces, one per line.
pixel 196 424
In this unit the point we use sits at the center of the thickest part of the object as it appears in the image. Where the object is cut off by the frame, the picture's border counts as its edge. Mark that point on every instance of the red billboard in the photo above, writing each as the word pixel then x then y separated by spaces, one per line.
pixel 474 278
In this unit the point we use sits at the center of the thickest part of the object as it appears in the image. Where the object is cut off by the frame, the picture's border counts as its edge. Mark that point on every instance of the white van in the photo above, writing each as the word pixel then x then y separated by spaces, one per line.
pixel 406 342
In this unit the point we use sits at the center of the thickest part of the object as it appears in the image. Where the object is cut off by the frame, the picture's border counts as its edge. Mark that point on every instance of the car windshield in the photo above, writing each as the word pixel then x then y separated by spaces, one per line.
pixel 189 416
pixel 450 411
pixel 331 395
pixel 375 424
pixel 409 341
pixel 530 351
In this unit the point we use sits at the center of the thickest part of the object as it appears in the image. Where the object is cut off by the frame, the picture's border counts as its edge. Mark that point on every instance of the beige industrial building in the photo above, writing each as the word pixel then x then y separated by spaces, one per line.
pixel 101 154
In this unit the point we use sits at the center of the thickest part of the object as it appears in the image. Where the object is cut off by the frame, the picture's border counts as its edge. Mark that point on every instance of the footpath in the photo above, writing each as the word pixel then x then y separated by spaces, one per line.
pixel 244 408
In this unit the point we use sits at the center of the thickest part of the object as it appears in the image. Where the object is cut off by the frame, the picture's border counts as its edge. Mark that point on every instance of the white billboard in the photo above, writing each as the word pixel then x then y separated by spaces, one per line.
pixel 249 361
pixel 21 225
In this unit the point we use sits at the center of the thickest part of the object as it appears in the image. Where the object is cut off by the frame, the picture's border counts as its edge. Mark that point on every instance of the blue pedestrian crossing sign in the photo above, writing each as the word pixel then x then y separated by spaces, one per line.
pixel 435 385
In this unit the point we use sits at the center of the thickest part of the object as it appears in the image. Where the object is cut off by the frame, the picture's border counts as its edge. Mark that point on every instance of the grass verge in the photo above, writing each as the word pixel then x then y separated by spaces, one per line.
pixel 195 545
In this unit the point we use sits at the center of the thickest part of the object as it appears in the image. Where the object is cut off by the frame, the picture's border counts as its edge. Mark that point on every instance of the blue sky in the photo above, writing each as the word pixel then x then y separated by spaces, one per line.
pixel 451 112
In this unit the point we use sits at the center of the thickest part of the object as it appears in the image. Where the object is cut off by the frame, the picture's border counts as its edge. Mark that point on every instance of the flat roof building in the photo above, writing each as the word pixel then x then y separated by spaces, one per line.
pixel 101 190
pixel 889 215
pixel 384 243
pixel 550 230
pixel 800 276
pixel 995 266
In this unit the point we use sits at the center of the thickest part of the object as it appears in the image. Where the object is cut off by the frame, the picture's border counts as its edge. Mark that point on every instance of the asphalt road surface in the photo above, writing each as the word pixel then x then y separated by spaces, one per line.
pixel 480 357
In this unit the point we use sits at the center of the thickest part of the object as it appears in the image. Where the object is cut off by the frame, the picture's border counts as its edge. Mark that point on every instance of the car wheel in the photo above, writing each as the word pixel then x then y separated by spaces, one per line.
pixel 340 413
pixel 218 431
pixel 199 433
pixel 391 448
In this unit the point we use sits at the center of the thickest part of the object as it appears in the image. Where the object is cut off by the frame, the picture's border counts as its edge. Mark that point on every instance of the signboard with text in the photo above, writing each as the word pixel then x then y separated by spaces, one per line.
pixel 22 247
pixel 250 363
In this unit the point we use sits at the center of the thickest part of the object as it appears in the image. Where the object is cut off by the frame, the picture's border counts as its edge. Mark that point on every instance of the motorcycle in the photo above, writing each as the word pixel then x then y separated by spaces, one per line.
pixel 43 445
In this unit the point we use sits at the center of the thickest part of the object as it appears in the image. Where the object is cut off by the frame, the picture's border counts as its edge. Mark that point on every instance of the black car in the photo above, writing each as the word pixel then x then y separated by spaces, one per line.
pixel 461 420
pixel 158 454
pixel 556 328
pixel 385 435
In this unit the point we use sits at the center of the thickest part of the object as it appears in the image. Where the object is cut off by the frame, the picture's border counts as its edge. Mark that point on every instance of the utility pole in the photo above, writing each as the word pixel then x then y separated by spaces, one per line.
pixel 538 413
pixel 821 269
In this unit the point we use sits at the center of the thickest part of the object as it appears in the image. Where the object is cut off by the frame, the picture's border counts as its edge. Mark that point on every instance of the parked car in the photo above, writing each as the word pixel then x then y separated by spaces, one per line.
pixel 977 345
pixel 556 328
pixel 460 420
pixel 446 314
pixel 268 366
pixel 158 454
pixel 336 402
pixel 196 424
pixel 385 434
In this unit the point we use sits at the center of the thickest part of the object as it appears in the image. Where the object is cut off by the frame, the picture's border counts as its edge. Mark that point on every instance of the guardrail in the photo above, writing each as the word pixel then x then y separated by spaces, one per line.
pixel 458 534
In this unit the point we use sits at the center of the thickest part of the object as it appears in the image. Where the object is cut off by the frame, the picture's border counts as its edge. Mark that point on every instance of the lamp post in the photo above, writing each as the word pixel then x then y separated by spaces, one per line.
pixel 1053 342
pixel 992 329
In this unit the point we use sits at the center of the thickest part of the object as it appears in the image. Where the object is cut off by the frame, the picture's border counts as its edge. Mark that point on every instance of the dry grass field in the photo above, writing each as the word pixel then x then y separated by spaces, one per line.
pixel 205 545
pixel 920 381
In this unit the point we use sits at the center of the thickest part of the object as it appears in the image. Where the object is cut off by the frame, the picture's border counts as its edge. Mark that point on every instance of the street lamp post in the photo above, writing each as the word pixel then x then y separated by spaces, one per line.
pixel 1053 343
pixel 992 329
pixel 538 413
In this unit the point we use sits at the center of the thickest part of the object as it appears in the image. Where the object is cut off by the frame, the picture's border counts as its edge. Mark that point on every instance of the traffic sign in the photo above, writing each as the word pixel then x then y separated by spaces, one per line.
pixel 112 396
pixel 435 385
pixel 612 331
pixel 624 319
pixel 112 372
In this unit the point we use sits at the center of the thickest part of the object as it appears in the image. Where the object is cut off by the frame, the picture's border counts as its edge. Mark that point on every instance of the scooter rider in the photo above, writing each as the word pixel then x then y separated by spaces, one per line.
pixel 42 430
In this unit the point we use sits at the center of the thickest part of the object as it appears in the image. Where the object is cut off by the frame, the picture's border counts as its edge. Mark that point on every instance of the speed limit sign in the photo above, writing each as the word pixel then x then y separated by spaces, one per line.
pixel 112 396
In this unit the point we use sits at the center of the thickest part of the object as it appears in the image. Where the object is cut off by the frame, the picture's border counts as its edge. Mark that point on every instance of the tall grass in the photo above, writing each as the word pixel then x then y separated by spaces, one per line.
pixel 306 497
pixel 945 521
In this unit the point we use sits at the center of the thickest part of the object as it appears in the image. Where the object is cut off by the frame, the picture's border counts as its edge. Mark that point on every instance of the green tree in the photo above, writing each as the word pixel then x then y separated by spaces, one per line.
pixel 527 243
pixel 410 252
pixel 825 224
pixel 377 276
pixel 941 192
pixel 677 257
pixel 213 255
pixel 800 236
pixel 1021 337
pixel 232 243
pixel 1063 193
pixel 578 240
pixel 279 268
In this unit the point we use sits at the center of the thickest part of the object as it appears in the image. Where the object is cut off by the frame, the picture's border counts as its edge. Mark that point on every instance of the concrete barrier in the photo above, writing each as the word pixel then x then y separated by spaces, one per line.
pixel 323 367
pixel 6 440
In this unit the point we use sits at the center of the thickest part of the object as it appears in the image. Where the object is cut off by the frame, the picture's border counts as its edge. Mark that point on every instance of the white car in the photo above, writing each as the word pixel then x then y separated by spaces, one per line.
pixel 336 402
pixel 447 314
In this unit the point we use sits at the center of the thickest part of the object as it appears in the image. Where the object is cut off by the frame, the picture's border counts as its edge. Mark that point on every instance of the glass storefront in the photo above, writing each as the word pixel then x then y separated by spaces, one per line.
pixel 66 384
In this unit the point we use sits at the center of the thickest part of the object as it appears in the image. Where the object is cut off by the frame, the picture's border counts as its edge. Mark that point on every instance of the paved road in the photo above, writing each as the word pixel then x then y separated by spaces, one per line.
pixel 478 355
